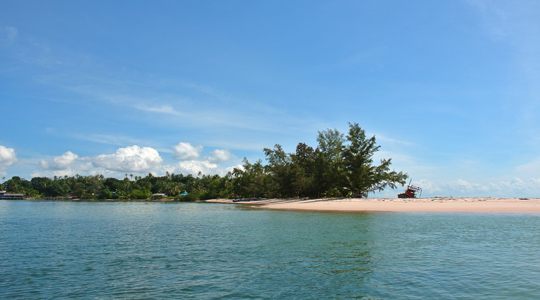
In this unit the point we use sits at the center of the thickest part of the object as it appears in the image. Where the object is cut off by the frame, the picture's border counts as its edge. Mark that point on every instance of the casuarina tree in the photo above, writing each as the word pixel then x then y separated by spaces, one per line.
pixel 362 176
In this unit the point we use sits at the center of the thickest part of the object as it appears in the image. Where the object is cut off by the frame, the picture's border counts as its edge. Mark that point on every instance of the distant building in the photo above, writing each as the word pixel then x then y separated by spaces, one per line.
pixel 7 196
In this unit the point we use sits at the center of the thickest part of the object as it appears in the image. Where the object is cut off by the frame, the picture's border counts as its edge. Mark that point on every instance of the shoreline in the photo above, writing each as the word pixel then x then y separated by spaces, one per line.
pixel 361 205
pixel 433 204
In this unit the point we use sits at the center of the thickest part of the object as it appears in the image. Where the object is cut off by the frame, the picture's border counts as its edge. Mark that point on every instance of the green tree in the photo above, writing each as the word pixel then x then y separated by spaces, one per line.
pixel 303 169
pixel 362 176
pixel 280 172
pixel 94 184
pixel 329 172
pixel 174 189
pixel 42 185
pixel 126 188
pixel 18 185
pixel 105 194
pixel 55 189
pixel 139 194
pixel 249 181
pixel 115 186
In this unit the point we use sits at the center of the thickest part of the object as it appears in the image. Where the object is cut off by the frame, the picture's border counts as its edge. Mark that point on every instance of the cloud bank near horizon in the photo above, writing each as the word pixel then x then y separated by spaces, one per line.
pixel 131 159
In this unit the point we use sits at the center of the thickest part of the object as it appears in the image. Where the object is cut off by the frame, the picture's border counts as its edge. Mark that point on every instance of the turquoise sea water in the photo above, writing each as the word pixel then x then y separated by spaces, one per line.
pixel 71 250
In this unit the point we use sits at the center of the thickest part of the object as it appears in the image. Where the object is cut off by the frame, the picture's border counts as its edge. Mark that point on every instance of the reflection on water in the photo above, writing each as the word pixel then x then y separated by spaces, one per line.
pixel 52 250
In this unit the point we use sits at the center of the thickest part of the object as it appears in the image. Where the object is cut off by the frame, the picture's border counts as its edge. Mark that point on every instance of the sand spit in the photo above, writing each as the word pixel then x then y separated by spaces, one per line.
pixel 435 204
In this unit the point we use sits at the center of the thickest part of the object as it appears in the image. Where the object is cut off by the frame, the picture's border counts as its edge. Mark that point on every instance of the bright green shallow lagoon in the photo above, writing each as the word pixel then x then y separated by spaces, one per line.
pixel 69 250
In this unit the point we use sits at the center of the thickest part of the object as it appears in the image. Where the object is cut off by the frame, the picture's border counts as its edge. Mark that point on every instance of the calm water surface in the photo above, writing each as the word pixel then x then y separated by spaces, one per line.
pixel 68 250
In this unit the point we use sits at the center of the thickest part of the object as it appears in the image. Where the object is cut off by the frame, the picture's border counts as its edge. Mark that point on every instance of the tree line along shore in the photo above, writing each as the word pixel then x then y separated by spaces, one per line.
pixel 339 166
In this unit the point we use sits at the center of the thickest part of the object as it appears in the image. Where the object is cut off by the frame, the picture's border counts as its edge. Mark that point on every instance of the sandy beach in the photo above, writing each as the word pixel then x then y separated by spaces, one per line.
pixel 435 204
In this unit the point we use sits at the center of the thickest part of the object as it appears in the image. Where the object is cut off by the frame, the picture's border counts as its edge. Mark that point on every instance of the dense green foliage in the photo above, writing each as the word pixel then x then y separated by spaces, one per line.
pixel 340 166
pixel 98 187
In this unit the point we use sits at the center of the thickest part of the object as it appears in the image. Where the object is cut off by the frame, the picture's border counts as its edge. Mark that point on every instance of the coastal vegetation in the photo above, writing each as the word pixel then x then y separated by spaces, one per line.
pixel 340 166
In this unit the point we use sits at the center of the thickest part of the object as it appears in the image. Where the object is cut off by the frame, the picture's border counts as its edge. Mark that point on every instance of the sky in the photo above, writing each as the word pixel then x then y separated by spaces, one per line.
pixel 450 89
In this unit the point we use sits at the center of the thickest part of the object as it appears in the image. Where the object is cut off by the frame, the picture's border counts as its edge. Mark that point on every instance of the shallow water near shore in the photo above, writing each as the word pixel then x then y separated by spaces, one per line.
pixel 127 250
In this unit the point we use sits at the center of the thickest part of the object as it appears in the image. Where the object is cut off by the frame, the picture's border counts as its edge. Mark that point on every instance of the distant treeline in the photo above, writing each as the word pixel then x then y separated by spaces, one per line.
pixel 340 166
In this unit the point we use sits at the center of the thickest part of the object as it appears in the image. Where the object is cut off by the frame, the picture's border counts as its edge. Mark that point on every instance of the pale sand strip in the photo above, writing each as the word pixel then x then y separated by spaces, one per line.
pixel 437 204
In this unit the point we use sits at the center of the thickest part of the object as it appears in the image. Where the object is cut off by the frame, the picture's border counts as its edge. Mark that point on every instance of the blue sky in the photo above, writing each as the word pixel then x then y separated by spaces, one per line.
pixel 450 89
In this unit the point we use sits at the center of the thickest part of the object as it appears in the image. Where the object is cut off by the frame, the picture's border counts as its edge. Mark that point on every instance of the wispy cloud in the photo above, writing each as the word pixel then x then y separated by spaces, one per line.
pixel 530 169
pixel 385 139
pixel 203 112
pixel 117 140
pixel 516 25
pixel 164 109
pixel 8 35
pixel 86 80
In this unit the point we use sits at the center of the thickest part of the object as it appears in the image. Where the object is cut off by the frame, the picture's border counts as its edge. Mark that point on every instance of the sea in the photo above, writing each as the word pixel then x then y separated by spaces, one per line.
pixel 152 250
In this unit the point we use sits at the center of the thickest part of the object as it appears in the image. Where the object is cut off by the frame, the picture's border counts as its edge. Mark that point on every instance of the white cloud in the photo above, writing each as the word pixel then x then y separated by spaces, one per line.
pixel 463 186
pixel 238 166
pixel 221 155
pixel 70 164
pixel 129 159
pixel 518 185
pixel 192 164
pixel 185 151
pixel 428 186
pixel 515 187
pixel 62 162
pixel 137 160
pixel 196 166
pixel 77 167
pixel 7 158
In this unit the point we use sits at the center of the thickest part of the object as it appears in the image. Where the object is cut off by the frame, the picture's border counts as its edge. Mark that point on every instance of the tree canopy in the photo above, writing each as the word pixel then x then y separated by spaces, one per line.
pixel 340 166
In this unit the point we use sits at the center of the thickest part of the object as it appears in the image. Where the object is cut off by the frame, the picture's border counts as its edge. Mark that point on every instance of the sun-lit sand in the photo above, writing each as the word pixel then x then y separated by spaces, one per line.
pixel 435 204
